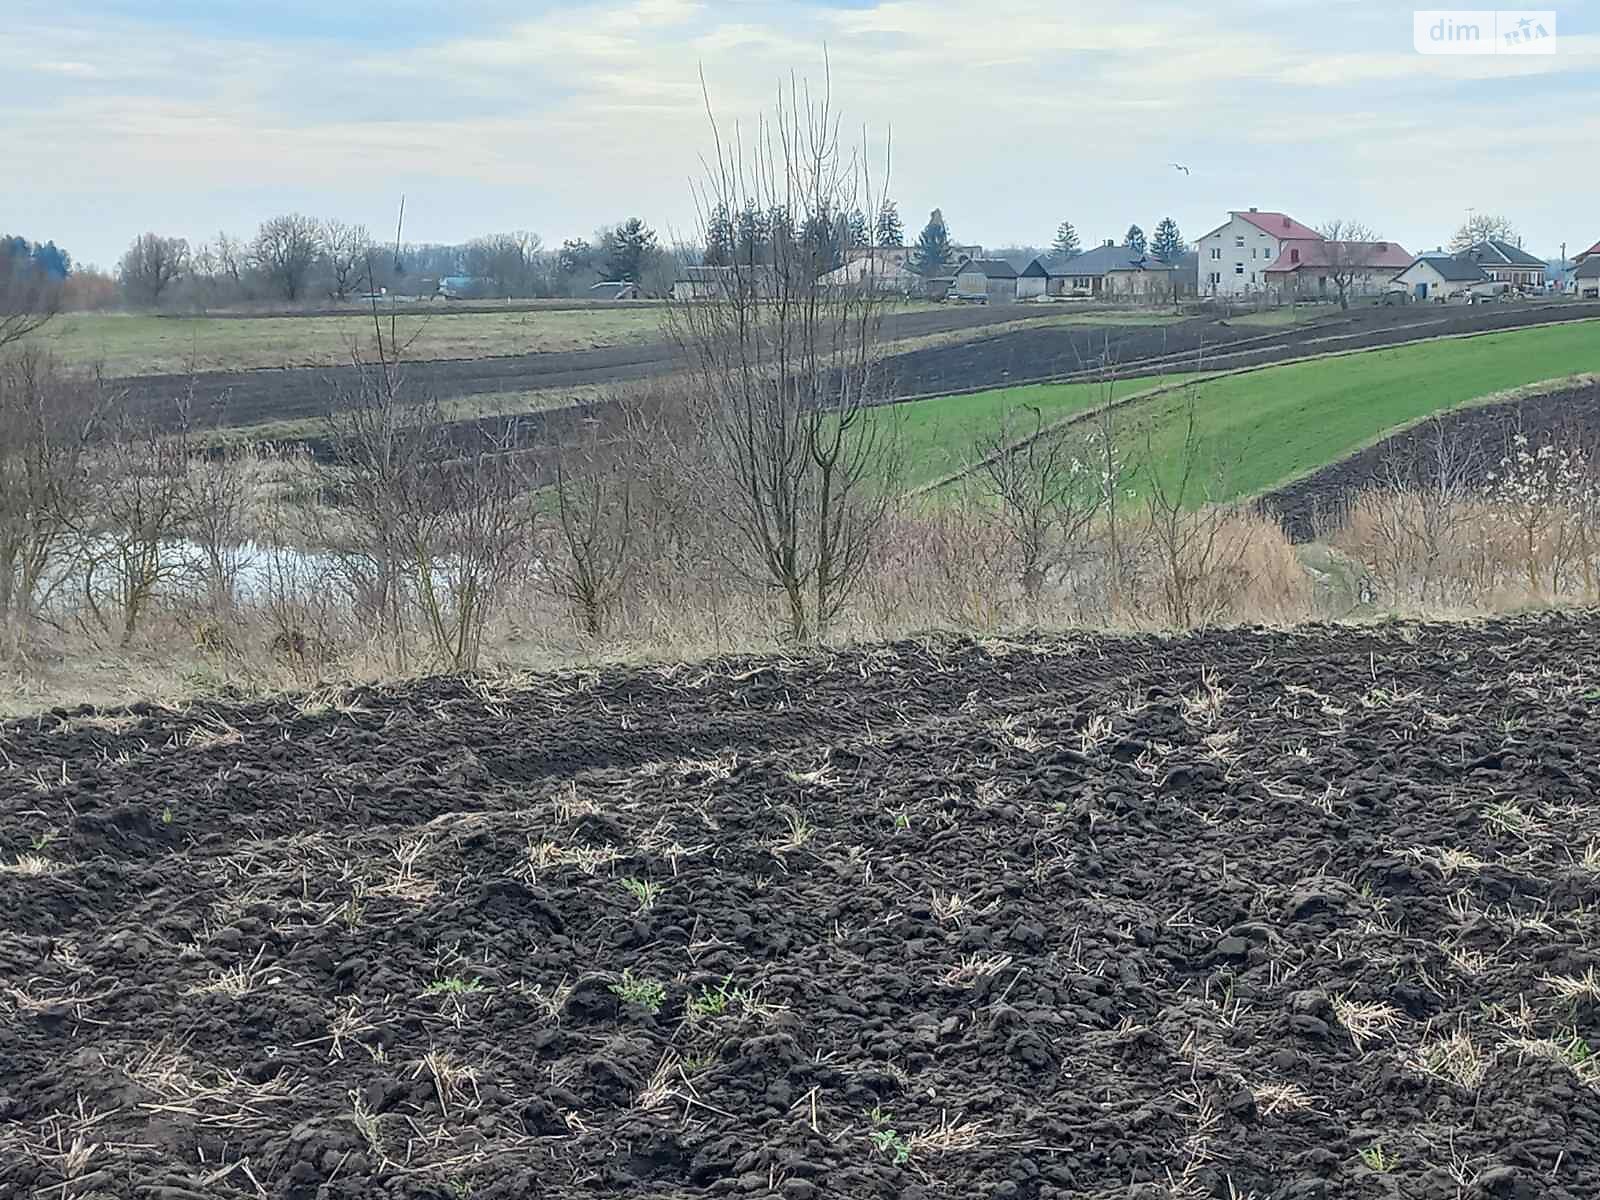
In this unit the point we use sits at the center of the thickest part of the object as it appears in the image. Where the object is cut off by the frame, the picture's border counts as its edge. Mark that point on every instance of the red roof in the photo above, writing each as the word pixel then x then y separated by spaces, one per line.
pixel 1594 249
pixel 1374 256
pixel 1279 225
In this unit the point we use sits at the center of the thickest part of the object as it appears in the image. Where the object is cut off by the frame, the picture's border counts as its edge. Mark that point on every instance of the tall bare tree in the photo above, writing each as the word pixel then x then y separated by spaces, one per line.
pixel 285 251
pixel 1480 227
pixel 151 265
pixel 1349 247
pixel 46 421
pixel 786 362
pixel 345 248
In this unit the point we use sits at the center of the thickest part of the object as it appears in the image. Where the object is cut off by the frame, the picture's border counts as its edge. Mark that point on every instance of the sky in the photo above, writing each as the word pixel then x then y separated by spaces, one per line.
pixel 186 117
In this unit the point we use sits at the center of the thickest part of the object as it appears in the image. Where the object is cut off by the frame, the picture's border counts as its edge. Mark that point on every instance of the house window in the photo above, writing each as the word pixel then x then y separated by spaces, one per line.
pixel 1238 268
pixel 1294 256
pixel 1239 242
pixel 1216 252
pixel 1252 252
pixel 1252 276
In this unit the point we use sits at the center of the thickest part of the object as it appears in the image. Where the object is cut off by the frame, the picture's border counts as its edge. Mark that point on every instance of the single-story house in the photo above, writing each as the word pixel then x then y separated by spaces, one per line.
pixel 1586 278
pixel 615 289
pixel 883 268
pixel 716 283
pixel 1506 263
pixel 1307 268
pixel 1439 276
pixel 1106 270
pixel 994 279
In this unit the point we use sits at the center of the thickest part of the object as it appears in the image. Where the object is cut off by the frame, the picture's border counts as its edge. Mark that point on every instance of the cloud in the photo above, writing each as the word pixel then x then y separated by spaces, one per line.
pixel 561 116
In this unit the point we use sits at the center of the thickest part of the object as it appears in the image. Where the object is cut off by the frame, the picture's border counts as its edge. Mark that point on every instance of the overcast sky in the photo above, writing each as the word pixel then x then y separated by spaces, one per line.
pixel 189 116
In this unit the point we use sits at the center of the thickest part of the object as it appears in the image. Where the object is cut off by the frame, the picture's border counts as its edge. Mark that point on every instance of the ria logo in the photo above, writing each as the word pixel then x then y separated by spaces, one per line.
pixel 1483 31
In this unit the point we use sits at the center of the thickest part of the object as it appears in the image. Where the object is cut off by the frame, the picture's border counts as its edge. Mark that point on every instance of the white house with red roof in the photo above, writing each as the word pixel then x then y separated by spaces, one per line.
pixel 1234 257
pixel 1326 270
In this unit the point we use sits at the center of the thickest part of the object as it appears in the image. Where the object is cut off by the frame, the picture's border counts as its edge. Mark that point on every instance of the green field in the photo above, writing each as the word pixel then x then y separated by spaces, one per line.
pixel 134 344
pixel 940 437
pixel 1259 429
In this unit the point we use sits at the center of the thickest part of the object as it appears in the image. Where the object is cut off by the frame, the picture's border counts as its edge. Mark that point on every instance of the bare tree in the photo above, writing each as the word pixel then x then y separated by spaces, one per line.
pixel 1481 227
pixel 46 421
pixel 1201 568
pixel 1047 492
pixel 151 265
pixel 128 545
pixel 232 258
pixel 512 260
pixel 29 297
pixel 1349 247
pixel 285 251
pixel 592 556
pixel 786 362
pixel 345 248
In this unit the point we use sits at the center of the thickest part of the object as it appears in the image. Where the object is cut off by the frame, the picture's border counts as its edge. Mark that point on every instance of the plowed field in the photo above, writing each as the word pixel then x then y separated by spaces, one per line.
pixel 1285 915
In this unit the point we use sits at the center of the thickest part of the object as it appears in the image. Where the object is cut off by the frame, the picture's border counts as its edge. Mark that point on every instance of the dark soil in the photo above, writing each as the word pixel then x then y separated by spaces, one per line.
pixel 1084 353
pixel 1083 917
pixel 1478 436
pixel 300 393
pixel 1028 355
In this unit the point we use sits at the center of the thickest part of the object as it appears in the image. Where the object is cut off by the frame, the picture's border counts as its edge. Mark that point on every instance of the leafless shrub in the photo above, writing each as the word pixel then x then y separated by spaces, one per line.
pixel 1418 511
pixel 46 423
pixel 785 358
pixel 1540 490
pixel 466 540
pixel 128 544
pixel 1047 492
pixel 1199 569
pixel 591 551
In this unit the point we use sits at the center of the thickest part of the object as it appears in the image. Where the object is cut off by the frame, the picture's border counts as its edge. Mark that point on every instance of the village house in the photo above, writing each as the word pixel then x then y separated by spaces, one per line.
pixel 881 268
pixel 1108 270
pixel 1311 269
pixel 1439 276
pixel 1235 256
pixel 1505 263
pixel 1586 278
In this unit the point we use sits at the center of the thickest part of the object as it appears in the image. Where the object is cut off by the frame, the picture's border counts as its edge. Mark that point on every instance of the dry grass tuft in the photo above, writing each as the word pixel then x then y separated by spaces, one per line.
pixel 31 865
pixel 1455 1059
pixel 1365 1021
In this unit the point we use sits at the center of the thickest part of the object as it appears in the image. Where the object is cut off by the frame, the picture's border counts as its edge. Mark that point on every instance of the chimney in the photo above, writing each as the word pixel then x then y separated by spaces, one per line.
pixel 1253 208
pixel 1111 241
pixel 1287 222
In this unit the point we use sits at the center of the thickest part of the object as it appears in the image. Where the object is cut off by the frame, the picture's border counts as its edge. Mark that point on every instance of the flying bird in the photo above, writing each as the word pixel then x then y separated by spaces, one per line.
pixel 1180 167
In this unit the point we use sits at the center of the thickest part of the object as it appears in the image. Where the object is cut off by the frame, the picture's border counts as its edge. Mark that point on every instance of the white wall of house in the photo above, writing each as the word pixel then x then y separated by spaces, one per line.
pixel 1029 286
pixel 1438 287
pixel 1234 259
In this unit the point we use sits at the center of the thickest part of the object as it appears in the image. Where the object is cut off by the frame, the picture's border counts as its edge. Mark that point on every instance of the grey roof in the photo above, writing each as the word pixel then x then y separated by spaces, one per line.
pixel 1036 270
pixel 1453 268
pixel 1589 268
pixel 992 268
pixel 1102 259
pixel 1499 254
